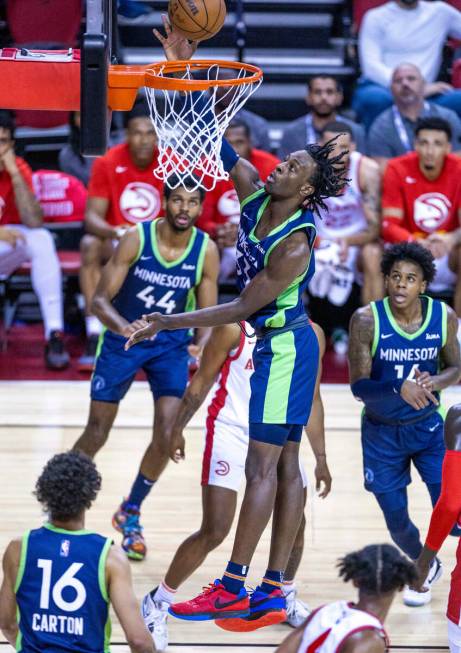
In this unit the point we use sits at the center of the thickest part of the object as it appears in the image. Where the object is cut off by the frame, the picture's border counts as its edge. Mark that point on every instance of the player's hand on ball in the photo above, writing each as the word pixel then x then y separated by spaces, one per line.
pixel 177 446
pixel 149 327
pixel 416 395
pixel 175 45
pixel 322 476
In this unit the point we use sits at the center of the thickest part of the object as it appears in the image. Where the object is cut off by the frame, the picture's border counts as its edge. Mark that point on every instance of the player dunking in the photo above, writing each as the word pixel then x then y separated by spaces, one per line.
pixel 226 367
pixel 59 579
pixel 402 352
pixel 378 571
pixel 169 264
pixel 274 266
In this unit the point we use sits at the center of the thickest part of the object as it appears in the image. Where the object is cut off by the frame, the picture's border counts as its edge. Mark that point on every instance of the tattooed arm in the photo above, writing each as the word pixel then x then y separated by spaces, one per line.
pixel 220 342
pixel 374 392
pixel 370 185
pixel 449 357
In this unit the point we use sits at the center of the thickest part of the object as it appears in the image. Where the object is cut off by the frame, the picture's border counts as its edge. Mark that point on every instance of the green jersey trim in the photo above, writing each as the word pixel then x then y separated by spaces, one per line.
pixel 102 570
pixel 159 257
pixel 22 561
pixel 64 531
pixel 107 634
pixel 201 259
pixel 276 230
pixel 444 323
pixel 248 199
pixel 376 333
pixel 18 642
pixel 399 330
pixel 142 239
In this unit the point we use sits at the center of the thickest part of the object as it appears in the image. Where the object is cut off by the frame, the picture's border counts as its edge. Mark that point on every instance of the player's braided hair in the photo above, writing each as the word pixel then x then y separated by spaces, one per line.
pixel 377 569
pixel 68 485
pixel 329 176
pixel 413 252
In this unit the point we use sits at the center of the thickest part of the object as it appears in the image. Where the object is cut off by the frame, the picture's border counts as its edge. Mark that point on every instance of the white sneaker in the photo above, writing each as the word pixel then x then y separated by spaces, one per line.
pixel 297 611
pixel 155 615
pixel 416 599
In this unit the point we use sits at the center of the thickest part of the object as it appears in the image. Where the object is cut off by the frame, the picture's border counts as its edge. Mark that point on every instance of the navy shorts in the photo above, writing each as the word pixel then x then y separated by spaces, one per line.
pixel 388 452
pixel 166 369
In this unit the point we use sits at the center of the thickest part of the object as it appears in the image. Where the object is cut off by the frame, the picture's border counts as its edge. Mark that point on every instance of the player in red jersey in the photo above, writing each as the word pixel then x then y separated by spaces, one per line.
pixel 225 369
pixel 421 202
pixel 446 514
pixel 378 571
pixel 123 191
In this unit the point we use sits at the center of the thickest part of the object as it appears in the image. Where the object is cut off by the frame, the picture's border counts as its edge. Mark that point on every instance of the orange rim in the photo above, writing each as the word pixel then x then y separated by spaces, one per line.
pixel 155 75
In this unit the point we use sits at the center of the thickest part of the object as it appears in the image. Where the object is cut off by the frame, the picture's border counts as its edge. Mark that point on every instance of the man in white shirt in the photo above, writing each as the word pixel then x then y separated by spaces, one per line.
pixel 414 31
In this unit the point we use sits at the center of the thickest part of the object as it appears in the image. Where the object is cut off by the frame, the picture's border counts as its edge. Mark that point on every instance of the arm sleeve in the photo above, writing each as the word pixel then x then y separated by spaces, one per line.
pixel 448 507
pixel 370 50
pixel 99 185
pixel 375 392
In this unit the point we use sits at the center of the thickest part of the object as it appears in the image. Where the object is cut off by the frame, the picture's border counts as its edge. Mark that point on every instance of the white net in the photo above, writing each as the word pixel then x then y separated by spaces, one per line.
pixel 190 125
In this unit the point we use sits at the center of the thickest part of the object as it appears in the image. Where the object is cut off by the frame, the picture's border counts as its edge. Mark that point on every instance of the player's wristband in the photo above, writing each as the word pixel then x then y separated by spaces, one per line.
pixel 369 391
pixel 229 156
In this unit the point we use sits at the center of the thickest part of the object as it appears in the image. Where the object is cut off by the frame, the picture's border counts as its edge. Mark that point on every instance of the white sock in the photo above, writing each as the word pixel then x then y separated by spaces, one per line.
pixel 46 278
pixel 92 325
pixel 288 587
pixel 164 593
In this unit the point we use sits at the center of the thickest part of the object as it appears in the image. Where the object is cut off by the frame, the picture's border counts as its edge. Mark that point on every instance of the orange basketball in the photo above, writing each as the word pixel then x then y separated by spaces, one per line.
pixel 197 20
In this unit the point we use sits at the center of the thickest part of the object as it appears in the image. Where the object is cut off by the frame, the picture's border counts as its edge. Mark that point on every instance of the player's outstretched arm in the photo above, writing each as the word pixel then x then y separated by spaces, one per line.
pixel 123 599
pixel 243 173
pixel 113 275
pixel 8 607
pixel 220 342
pixel 287 261
pixel 315 428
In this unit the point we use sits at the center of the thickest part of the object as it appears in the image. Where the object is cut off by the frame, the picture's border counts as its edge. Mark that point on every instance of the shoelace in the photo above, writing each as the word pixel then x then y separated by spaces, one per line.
pixel 211 587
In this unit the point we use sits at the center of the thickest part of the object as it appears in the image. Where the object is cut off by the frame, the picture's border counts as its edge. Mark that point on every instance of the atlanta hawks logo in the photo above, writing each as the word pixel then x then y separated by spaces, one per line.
pixel 431 210
pixel 228 205
pixel 139 202
pixel 222 468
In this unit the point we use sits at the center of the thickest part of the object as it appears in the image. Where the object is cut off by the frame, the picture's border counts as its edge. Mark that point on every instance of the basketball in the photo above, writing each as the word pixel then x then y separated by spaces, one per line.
pixel 197 20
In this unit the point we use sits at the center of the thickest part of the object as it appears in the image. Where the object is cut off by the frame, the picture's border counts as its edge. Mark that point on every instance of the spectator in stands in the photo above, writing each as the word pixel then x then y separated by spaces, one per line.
pixel 398 31
pixel 258 126
pixel 348 231
pixel 324 98
pixel 70 159
pixel 122 191
pixel 221 209
pixel 392 133
pixel 421 202
pixel 22 239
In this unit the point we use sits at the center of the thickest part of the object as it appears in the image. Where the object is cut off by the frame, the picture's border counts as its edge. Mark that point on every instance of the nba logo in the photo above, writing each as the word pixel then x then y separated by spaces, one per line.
pixel 65 546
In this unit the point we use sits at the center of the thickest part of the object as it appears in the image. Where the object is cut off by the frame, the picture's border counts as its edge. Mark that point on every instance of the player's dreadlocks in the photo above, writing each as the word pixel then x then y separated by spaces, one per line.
pixel 329 177
pixel 412 252
pixel 377 569
pixel 67 485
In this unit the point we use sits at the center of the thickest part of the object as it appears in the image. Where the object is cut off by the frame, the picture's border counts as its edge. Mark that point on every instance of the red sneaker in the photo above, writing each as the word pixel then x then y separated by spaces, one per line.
pixel 265 610
pixel 215 602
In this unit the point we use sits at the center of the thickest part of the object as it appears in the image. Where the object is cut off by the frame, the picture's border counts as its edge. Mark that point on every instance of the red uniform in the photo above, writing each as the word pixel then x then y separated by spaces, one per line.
pixel 134 194
pixel 222 205
pixel 427 206
pixel 8 210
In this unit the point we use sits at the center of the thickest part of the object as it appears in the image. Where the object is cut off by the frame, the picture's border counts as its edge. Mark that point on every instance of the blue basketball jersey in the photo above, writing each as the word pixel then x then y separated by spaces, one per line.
pixel 61 592
pixel 154 284
pixel 397 354
pixel 252 256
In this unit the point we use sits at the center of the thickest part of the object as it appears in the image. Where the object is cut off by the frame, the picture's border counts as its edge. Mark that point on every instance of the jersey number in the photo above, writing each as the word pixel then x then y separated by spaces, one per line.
pixel 147 296
pixel 400 369
pixel 67 580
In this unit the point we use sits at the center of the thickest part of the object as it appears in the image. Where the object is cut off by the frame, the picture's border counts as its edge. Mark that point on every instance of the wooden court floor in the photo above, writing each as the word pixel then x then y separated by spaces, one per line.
pixel 38 419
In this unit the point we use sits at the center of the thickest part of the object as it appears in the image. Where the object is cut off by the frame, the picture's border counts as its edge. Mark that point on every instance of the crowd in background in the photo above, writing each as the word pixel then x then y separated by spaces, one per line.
pixel 403 141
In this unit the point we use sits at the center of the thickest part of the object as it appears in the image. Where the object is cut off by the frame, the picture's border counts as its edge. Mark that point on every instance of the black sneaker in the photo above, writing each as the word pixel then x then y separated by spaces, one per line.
pixel 56 356
pixel 86 362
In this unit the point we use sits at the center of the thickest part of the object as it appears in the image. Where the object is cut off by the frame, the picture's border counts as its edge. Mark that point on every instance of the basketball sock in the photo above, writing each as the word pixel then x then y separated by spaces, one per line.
pixel 93 326
pixel 141 488
pixel 163 593
pixel 272 580
pixel 288 586
pixel 234 577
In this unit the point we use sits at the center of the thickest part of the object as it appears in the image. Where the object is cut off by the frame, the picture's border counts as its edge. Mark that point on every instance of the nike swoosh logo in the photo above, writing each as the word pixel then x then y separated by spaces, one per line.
pixel 226 604
pixel 146 258
pixel 433 428
pixel 386 335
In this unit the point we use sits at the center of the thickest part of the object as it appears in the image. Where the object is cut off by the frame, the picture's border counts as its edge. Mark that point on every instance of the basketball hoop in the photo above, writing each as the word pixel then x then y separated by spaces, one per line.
pixel 191 105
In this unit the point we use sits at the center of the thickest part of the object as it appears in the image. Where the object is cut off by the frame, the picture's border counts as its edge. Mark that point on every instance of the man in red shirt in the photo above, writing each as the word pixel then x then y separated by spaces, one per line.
pixel 221 209
pixel 22 239
pixel 421 202
pixel 122 191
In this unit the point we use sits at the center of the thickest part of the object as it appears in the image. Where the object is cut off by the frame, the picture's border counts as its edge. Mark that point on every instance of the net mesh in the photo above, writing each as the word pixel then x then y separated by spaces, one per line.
pixel 190 125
